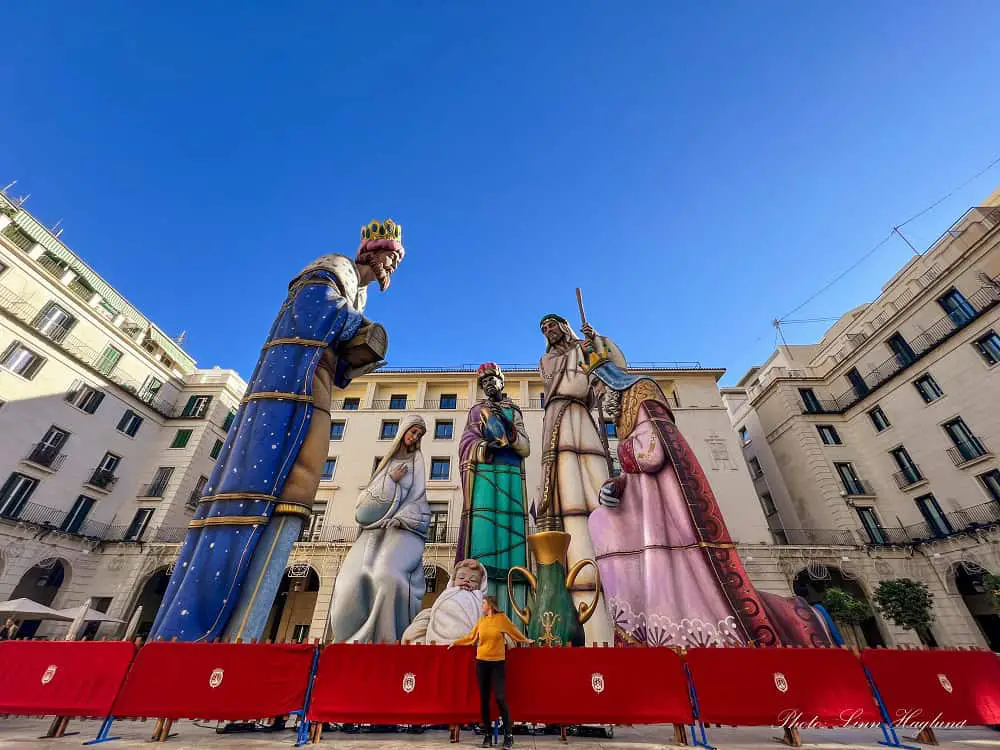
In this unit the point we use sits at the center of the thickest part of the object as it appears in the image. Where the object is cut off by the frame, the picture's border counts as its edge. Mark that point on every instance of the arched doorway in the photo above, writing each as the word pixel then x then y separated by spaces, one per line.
pixel 436 579
pixel 292 611
pixel 969 579
pixel 149 599
pixel 810 584
pixel 41 584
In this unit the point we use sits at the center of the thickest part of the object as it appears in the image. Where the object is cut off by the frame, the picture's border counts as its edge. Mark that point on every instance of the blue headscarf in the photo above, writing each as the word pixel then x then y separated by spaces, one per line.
pixel 616 378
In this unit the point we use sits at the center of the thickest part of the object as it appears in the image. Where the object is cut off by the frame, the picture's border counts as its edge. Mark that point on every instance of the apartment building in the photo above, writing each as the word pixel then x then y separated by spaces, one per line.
pixel 107 429
pixel 882 435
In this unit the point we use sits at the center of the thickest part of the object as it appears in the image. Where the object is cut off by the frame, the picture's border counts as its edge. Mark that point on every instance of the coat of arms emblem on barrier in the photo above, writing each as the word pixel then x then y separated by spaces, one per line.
pixel 215 679
pixel 945 682
pixel 780 682
pixel 48 674
pixel 597 682
pixel 409 682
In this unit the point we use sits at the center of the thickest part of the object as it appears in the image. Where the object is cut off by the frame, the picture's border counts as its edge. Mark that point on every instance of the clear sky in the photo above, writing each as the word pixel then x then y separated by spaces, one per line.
pixel 697 168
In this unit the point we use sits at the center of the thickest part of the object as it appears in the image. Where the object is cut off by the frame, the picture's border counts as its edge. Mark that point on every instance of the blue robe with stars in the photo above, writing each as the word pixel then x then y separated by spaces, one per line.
pixel 253 466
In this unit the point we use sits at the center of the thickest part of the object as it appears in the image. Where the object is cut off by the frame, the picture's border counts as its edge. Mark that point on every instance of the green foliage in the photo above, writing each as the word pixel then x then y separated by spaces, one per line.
pixel 906 602
pixel 844 607
pixel 992 584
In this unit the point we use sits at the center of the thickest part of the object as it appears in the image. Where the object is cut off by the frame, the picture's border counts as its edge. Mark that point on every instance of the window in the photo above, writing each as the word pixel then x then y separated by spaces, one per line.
pixel 988 347
pixel 928 388
pixel 216 450
pixel 991 481
pixel 397 401
pixel 20 360
pixel 388 431
pixel 300 633
pixel 611 430
pixel 967 445
pixel 767 503
pixel 314 528
pixel 850 479
pixel 47 451
pixel 857 382
pixel 337 430
pixel 196 407
pixel 438 530
pixel 901 348
pixel 228 421
pixel 909 472
pixel 77 514
pixel 828 434
pixel 15 494
pixel 744 435
pixel 104 474
pixel 448 401
pixel 809 401
pixel 150 388
pixel 443 429
pixel 3 267
pixel 129 423
pixel 138 526
pixel 879 419
pixel 158 486
pixel 871 525
pixel 937 521
pixel 181 438
pixel 440 468
pixel 54 322
pixel 957 307
pixel 329 468
pixel 84 397
pixel 199 490
pixel 108 361
pixel 375 463
pixel 755 468
pixel 352 404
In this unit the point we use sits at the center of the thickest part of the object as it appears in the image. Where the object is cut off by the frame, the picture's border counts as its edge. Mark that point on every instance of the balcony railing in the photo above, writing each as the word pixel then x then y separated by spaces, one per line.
pixel 384 403
pixel 153 489
pixel 981 302
pixel 105 479
pixel 967 450
pixel 435 403
pixel 45 455
pixel 908 477
pixel 19 308
pixel 54 518
pixel 821 537
pixel 164 534
pixel 987 514
pixel 857 488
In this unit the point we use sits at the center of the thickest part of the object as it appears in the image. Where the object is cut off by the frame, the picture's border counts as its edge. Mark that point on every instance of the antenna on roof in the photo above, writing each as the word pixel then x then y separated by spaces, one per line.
pixel 8 186
pixel 180 337
pixel 55 228
pixel 23 199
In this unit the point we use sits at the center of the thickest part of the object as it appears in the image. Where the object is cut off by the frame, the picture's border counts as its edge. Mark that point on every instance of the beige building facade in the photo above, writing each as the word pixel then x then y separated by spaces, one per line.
pixel 881 437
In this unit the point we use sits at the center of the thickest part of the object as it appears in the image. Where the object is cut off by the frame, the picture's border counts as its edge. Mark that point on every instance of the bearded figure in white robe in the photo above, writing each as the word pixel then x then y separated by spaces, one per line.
pixel 456 610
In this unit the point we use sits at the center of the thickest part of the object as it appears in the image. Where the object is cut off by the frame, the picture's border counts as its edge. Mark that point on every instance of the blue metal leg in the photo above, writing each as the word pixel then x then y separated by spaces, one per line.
pixel 102 734
pixel 302 736
pixel 891 739
pixel 702 740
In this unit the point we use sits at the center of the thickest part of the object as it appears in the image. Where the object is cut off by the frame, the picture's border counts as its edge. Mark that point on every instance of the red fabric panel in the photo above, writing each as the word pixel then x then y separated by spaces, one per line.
pixel 64 678
pixel 251 681
pixel 799 687
pixel 937 686
pixel 389 684
pixel 597 686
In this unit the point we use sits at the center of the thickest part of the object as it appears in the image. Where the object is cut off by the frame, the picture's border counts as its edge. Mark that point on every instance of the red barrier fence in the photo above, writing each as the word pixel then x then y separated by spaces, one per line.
pixel 62 678
pixel 216 681
pixel 386 684
pixel 598 686
pixel 937 688
pixel 791 687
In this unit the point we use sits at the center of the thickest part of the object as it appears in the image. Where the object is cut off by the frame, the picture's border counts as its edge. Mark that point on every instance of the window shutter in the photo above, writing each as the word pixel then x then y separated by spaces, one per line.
pixel 95 401
pixel 74 390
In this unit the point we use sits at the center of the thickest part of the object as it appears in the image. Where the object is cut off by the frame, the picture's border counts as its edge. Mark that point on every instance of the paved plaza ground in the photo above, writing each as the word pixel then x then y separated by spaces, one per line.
pixel 22 734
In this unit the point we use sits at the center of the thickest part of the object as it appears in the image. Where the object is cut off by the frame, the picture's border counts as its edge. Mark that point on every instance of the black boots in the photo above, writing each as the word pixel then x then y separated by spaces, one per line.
pixel 487 739
pixel 508 741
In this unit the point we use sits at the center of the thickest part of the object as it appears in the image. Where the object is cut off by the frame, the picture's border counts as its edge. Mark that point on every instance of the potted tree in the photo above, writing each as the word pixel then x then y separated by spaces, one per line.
pixel 848 611
pixel 907 603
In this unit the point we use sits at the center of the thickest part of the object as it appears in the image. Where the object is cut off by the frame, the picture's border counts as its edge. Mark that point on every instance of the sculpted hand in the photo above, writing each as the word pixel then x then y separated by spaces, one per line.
pixel 399 472
pixel 608 496
pixel 588 331
pixel 394 523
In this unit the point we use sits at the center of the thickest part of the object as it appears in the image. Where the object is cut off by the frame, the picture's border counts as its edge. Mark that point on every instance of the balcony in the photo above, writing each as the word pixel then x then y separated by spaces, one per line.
pixel 103 479
pixel 435 403
pixel 825 537
pixel 46 456
pixel 164 535
pixel 968 451
pixel 193 499
pixel 908 477
pixel 52 518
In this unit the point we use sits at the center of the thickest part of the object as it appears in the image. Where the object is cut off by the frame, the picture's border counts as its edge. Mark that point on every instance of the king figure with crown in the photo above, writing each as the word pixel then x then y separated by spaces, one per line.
pixel 266 476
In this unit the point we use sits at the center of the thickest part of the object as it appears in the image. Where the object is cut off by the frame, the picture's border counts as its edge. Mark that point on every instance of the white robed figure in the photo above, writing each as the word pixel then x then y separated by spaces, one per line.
pixel 381 583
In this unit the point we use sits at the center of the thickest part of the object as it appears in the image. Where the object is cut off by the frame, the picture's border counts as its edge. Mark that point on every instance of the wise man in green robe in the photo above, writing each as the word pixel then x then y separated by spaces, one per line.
pixel 492 450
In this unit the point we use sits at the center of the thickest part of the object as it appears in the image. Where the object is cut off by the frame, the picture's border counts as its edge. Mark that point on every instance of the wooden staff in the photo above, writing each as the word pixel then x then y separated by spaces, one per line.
pixel 600 408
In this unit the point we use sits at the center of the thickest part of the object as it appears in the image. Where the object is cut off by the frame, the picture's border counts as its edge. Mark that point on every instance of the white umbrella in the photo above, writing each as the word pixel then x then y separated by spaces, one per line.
pixel 29 610
pixel 92 615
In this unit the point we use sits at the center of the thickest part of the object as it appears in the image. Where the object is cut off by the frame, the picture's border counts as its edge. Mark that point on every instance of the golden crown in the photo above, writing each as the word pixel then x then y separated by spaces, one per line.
pixel 382 230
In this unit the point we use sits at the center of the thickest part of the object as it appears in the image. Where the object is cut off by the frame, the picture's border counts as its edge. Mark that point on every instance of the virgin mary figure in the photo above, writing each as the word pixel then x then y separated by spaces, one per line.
pixel 670 571
pixel 378 590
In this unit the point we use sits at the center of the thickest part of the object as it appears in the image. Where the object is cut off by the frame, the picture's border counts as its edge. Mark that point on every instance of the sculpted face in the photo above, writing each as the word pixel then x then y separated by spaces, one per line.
pixel 381 258
pixel 492 386
pixel 468 578
pixel 411 438
pixel 552 331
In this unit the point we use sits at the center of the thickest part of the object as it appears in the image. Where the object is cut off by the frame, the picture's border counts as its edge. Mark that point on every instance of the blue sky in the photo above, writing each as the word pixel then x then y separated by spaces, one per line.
pixel 697 168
